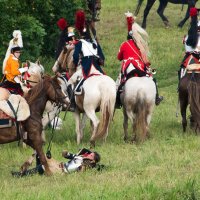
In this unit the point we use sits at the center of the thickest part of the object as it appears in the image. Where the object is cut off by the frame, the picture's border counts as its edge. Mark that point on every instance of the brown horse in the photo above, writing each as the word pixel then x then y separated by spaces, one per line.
pixel 189 94
pixel 64 63
pixel 94 7
pixel 47 89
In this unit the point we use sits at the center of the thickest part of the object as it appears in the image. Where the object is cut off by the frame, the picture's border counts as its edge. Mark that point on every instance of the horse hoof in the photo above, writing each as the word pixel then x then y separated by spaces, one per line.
pixel 92 144
pixel 125 139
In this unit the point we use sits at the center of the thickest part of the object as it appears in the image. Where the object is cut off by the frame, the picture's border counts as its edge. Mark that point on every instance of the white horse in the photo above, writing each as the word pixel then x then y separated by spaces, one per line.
pixel 98 92
pixel 138 101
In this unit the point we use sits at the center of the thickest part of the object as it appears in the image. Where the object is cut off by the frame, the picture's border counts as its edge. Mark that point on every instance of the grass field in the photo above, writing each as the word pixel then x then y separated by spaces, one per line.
pixel 164 167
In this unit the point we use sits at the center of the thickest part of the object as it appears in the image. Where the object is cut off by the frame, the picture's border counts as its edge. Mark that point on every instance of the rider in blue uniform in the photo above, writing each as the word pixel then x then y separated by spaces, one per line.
pixel 87 53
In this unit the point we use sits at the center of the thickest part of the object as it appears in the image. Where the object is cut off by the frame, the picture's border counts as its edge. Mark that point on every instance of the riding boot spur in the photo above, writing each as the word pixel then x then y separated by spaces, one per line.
pixel 158 98
pixel 72 98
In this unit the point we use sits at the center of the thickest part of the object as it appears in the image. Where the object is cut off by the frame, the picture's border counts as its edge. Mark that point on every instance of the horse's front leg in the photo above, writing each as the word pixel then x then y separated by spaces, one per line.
pixel 43 159
pixel 35 141
pixel 160 12
pixel 187 15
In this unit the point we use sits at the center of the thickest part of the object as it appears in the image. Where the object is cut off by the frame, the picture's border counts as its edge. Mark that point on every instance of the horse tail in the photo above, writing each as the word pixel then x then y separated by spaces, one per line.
pixel 194 96
pixel 107 111
pixel 138 7
pixel 141 110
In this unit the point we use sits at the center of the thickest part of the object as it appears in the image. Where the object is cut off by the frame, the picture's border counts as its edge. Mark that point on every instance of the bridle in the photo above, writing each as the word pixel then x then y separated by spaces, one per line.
pixel 58 99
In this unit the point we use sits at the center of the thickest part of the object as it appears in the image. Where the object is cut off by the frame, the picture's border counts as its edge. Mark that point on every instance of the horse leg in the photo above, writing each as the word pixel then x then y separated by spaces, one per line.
pixel 78 126
pixel 149 114
pixel 36 144
pixel 138 7
pixel 125 125
pixel 187 15
pixel 83 123
pixel 146 12
pixel 95 122
pixel 160 12
pixel 183 107
pixel 134 135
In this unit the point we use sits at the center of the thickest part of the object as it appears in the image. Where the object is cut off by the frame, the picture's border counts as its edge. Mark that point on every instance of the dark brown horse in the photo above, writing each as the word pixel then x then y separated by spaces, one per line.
pixel 161 8
pixel 189 94
pixel 94 7
pixel 47 89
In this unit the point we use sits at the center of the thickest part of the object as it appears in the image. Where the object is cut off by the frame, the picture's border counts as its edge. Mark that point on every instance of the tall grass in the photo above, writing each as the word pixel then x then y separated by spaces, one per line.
pixel 164 167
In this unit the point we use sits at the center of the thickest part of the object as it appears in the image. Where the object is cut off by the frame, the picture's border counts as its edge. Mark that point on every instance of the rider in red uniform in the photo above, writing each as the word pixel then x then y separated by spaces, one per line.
pixel 134 56
pixel 192 44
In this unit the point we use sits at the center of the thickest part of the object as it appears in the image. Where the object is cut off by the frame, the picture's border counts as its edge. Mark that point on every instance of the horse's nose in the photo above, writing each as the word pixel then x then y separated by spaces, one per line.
pixel 66 102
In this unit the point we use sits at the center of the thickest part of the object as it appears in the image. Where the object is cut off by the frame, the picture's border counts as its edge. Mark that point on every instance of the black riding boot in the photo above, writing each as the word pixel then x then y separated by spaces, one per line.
pixel 158 98
pixel 118 103
pixel 72 98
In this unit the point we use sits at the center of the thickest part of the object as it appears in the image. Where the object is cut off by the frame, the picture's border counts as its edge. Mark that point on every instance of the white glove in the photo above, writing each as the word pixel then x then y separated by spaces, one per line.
pixel 22 70
pixel 17 79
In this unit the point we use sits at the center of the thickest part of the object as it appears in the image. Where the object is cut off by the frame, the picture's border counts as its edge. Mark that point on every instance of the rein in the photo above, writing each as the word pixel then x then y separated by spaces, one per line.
pixel 55 122
pixel 56 93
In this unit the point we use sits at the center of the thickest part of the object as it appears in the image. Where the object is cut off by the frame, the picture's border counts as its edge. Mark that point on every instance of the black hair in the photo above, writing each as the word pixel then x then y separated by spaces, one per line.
pixel 14 49
pixel 97 157
pixel 193 33
pixel 129 37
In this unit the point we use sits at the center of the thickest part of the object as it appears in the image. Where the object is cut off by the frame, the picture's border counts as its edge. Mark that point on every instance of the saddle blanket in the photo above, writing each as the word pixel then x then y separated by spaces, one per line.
pixel 20 107
pixel 5 120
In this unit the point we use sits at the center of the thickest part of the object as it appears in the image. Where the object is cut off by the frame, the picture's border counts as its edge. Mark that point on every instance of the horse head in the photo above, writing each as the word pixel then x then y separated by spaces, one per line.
pixel 94 7
pixel 55 91
pixel 65 61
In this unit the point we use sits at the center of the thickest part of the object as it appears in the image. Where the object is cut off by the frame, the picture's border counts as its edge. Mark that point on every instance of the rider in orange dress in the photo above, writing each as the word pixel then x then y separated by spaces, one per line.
pixel 12 70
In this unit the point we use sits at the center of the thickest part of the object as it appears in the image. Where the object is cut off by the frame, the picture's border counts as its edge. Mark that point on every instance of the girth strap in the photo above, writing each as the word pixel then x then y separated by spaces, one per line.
pixel 15 114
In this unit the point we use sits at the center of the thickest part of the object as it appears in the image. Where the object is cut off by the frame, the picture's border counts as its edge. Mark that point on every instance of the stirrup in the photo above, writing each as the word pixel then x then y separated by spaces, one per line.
pixel 78 91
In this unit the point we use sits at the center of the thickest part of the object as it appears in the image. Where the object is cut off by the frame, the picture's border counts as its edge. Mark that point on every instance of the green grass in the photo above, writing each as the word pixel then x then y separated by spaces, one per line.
pixel 164 167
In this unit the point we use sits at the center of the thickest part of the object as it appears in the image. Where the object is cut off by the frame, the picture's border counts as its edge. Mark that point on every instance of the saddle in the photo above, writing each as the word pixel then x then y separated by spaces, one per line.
pixel 15 108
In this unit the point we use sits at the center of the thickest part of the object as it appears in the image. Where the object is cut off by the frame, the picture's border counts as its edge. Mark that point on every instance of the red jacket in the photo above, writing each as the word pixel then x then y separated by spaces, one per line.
pixel 130 53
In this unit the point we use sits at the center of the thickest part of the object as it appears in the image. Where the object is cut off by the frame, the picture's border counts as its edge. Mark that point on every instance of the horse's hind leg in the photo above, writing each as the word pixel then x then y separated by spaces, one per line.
pixel 125 125
pixel 95 122
pixel 78 127
pixel 160 11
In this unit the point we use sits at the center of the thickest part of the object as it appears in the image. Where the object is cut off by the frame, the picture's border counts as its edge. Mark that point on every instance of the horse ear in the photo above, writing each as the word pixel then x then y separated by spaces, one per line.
pixel 28 62
pixel 37 62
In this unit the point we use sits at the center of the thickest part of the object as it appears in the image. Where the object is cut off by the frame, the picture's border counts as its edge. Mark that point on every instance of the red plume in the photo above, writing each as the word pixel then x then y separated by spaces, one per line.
pixel 80 20
pixel 62 23
pixel 193 12
pixel 129 22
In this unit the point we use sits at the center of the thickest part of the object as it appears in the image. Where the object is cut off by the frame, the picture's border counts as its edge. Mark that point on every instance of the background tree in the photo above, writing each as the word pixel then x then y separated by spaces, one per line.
pixel 37 21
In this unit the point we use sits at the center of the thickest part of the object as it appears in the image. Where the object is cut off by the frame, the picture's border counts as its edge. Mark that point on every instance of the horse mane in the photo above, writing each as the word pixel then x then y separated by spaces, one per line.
pixel 36 90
